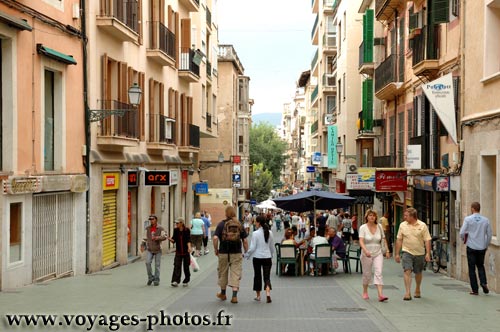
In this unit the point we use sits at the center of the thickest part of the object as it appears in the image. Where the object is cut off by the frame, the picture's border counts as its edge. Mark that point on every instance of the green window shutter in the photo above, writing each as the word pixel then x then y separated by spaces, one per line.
pixel 368 22
pixel 440 11
pixel 368 120
pixel 413 21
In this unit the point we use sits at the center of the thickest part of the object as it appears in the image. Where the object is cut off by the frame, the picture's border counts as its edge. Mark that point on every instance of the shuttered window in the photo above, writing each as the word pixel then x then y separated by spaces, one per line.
pixel 368 36
pixel 367 105
pixel 440 11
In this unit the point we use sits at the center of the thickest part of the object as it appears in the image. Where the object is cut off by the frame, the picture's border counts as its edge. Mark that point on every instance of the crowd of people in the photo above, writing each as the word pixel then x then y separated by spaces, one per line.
pixel 339 229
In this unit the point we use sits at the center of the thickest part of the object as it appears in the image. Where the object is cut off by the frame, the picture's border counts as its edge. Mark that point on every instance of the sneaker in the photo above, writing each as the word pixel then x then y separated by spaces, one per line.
pixel 234 299
pixel 156 283
pixel 185 284
pixel 174 284
pixel 206 251
pixel 485 289
pixel 149 282
pixel 474 293
pixel 221 296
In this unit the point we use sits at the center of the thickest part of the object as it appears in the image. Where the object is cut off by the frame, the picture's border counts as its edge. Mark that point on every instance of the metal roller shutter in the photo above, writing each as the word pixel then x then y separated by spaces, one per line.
pixel 109 228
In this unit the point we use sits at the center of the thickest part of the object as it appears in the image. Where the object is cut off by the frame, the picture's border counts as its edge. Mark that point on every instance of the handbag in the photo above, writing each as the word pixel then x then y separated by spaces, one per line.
pixel 382 242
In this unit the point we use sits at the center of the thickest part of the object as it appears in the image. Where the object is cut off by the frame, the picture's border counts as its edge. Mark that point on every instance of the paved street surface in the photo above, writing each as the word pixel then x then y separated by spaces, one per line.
pixel 305 303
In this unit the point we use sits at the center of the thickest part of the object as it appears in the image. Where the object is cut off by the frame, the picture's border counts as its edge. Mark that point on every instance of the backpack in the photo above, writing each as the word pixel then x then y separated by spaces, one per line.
pixel 231 231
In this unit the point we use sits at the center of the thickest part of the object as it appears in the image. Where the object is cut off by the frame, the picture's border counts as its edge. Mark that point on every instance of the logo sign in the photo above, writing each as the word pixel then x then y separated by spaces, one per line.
pixel 310 169
pixel 201 188
pixel 157 178
pixel 133 179
pixel 110 181
pixel 441 183
pixel 390 180
pixel 236 177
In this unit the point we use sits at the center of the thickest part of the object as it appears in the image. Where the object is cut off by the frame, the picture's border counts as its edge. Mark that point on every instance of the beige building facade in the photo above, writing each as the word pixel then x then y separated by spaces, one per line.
pixel 42 205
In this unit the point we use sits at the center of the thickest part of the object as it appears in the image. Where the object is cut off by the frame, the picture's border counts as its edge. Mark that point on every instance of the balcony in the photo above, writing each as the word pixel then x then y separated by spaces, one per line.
pixel 119 19
pixel 117 132
pixel 193 139
pixel 314 127
pixel 188 70
pixel 161 133
pixel 383 162
pixel 161 44
pixel 425 60
pixel 384 9
pixel 329 83
pixel 387 84
pixel 328 6
pixel 330 43
pixel 314 96
pixel 366 65
pixel 191 5
pixel 314 64
pixel 314 32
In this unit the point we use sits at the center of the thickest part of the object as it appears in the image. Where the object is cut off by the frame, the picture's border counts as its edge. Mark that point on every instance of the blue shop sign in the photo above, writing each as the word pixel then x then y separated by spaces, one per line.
pixel 310 169
pixel 201 188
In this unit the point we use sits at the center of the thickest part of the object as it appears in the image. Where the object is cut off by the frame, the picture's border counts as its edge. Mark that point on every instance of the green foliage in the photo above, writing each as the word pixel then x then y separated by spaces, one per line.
pixel 267 155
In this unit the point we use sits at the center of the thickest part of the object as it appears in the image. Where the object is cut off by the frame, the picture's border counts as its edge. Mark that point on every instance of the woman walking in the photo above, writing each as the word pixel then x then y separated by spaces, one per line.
pixel 262 251
pixel 371 238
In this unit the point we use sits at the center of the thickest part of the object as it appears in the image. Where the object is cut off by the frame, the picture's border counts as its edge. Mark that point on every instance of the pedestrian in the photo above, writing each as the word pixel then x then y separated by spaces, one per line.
pixel 414 238
pixel 346 228
pixel 371 239
pixel 247 221
pixel 229 238
pixel 384 222
pixel 206 234
pixel 197 231
pixel 155 234
pixel 476 232
pixel 354 232
pixel 262 251
pixel 182 240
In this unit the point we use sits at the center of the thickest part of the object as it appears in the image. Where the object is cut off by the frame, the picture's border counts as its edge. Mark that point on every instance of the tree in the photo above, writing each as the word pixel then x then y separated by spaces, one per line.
pixel 262 182
pixel 268 149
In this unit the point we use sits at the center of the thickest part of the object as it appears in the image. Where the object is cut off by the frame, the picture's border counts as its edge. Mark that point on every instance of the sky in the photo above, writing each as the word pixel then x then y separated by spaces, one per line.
pixel 273 41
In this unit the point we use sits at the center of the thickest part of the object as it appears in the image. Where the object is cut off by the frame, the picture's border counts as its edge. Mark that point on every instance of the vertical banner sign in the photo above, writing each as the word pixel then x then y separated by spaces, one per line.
pixel 184 177
pixel 332 147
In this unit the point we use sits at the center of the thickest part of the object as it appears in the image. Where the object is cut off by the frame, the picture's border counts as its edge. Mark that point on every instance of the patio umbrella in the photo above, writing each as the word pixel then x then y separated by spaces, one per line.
pixel 312 200
pixel 267 204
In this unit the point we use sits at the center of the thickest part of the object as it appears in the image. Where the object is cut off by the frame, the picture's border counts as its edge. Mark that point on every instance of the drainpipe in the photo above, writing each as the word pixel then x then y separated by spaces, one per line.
pixel 87 130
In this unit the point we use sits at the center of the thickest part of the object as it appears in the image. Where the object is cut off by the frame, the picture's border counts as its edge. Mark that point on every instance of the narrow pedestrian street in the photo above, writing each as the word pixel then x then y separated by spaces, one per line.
pixel 304 303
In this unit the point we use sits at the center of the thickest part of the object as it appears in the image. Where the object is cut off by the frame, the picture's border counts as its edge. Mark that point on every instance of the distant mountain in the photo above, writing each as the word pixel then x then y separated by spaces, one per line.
pixel 273 118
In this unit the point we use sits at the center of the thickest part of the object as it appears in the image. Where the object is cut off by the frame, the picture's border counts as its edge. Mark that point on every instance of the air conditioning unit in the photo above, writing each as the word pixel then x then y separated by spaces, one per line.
pixel 352 168
pixel 329 119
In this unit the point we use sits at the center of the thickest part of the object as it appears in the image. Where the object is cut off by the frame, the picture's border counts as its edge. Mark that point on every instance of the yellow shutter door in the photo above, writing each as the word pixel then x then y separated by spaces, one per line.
pixel 109 228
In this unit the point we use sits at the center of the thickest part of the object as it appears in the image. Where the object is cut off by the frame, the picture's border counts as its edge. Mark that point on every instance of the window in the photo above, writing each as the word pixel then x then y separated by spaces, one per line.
pixel 392 138
pixel 492 42
pixel 343 87
pixel 401 139
pixel 53 127
pixel 410 124
pixel 331 104
pixel 15 233
pixel 489 197
pixel 339 89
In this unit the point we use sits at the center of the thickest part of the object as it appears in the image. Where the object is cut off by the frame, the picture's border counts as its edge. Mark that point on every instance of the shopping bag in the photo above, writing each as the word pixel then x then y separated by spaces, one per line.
pixel 194 264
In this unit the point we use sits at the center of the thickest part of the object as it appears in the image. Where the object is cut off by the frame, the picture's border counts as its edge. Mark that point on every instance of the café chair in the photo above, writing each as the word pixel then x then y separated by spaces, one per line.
pixel 323 255
pixel 286 254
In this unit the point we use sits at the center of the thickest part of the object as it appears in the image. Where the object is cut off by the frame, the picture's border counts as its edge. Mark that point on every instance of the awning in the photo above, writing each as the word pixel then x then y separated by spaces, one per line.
pixel 53 54
pixel 14 22
pixel 440 94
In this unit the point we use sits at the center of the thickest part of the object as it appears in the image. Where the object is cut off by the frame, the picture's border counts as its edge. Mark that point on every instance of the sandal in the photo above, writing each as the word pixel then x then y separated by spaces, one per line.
pixel 257 298
pixel 417 295
pixel 407 298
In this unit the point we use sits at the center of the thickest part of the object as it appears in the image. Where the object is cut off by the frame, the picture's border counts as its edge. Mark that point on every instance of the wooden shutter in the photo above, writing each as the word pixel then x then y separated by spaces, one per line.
pixel 105 79
pixel 141 109
pixel 440 11
pixel 186 33
pixel 162 99
pixel 368 23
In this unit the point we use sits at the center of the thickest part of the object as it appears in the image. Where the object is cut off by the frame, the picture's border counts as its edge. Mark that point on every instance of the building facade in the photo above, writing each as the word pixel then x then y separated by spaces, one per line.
pixel 42 204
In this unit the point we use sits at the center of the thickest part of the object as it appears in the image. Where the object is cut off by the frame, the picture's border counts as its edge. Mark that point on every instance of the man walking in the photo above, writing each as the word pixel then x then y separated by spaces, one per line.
pixel 414 238
pixel 476 233
pixel 228 238
pixel 384 221
pixel 155 234
pixel 206 234
pixel 182 240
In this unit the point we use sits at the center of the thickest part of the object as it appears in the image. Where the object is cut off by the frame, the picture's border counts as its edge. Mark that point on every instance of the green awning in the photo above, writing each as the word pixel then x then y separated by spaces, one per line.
pixel 53 54
pixel 14 21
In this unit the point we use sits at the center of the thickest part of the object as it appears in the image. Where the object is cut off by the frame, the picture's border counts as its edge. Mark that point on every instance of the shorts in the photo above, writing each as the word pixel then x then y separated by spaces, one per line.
pixel 413 263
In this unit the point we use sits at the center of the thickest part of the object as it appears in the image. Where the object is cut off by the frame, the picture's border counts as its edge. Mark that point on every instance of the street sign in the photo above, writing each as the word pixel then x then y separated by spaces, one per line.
pixel 236 177
pixel 310 169
pixel 201 188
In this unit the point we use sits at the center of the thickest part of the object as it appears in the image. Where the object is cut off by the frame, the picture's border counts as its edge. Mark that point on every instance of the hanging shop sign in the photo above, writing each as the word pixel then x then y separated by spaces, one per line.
pixel 390 180
pixel 423 182
pixel 133 179
pixel 174 177
pixel 157 178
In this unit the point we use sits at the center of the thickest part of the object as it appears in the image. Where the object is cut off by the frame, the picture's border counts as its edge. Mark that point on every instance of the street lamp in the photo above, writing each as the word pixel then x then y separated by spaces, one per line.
pixel 220 158
pixel 340 148
pixel 134 98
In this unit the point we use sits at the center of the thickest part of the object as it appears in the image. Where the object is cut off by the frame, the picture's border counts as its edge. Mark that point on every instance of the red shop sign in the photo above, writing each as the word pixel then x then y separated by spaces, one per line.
pixel 390 181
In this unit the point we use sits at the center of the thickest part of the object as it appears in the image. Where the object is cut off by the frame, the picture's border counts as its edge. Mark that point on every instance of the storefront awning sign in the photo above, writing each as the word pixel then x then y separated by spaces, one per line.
pixel 440 94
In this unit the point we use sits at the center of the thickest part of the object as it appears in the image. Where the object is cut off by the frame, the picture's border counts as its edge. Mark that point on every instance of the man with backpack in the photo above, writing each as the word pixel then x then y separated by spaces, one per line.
pixel 228 238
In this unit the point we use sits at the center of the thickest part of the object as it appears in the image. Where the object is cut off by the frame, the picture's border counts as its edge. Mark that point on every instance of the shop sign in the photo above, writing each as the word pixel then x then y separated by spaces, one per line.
pixel 423 182
pixel 184 177
pixel 316 158
pixel 110 181
pixel 390 180
pixel 362 196
pixel 174 177
pixel 157 178
pixel 22 185
pixel 201 188
pixel 133 178
pixel 441 183
pixel 310 169
pixel 363 180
